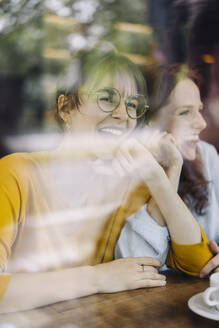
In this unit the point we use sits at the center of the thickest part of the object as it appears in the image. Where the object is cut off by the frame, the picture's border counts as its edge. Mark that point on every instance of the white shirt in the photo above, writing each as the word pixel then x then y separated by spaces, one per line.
pixel 143 236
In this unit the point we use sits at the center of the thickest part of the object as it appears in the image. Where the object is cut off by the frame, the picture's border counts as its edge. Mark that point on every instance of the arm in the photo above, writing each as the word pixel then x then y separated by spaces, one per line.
pixel 175 213
pixel 173 174
pixel 177 216
pixel 145 232
pixel 30 290
pixel 23 291
pixel 189 258
pixel 187 255
pixel 189 250
pixel 143 236
pixel 51 287
pixel 172 161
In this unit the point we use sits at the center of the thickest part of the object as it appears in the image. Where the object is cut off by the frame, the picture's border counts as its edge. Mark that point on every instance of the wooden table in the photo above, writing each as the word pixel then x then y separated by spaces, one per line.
pixel 152 308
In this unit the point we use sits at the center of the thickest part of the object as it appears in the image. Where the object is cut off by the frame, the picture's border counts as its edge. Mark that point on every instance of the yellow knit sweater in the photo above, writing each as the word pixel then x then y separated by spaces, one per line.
pixel 25 199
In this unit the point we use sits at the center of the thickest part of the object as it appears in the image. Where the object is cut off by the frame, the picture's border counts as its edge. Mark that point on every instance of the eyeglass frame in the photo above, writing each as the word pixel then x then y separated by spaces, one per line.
pixel 146 107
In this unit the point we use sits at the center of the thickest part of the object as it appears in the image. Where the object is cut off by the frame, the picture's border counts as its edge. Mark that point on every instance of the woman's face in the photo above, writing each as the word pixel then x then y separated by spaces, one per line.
pixel 185 120
pixel 91 119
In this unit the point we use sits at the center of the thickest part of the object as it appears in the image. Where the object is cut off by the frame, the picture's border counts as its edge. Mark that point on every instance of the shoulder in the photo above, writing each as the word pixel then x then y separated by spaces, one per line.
pixel 207 151
pixel 19 163
pixel 15 158
pixel 209 159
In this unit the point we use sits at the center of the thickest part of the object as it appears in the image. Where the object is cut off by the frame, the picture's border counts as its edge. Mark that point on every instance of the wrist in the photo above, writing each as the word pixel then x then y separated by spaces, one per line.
pixel 155 176
pixel 158 182
pixel 87 280
pixel 95 281
pixel 174 169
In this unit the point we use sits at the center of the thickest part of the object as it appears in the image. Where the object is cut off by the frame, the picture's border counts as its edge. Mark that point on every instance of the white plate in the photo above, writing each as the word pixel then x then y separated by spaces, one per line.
pixel 197 305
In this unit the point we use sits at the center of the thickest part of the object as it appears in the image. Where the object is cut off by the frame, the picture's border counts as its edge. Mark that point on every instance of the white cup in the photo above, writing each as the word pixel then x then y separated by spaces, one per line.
pixel 211 294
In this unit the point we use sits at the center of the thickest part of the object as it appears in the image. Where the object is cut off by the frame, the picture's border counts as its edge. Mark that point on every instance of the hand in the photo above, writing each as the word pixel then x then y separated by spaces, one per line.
pixel 170 155
pixel 135 160
pixel 128 273
pixel 213 264
pixel 162 145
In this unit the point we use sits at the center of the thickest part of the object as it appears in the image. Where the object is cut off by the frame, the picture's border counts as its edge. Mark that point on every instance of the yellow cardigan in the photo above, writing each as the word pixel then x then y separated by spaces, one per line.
pixel 189 259
pixel 19 197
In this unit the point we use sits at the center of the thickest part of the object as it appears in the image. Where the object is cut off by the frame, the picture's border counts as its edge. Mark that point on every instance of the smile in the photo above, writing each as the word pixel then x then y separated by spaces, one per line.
pixel 194 138
pixel 115 132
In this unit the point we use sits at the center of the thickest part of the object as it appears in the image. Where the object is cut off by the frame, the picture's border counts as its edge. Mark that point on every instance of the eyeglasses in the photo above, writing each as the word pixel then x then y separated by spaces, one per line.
pixel 108 99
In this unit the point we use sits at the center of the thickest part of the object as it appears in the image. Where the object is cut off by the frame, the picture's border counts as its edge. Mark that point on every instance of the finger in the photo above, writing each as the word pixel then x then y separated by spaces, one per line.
pixel 211 265
pixel 214 247
pixel 148 261
pixel 151 275
pixel 170 138
pixel 126 154
pixel 149 268
pixel 146 268
pixel 124 162
pixel 141 153
pixel 117 168
pixel 149 283
pixel 154 136
pixel 134 152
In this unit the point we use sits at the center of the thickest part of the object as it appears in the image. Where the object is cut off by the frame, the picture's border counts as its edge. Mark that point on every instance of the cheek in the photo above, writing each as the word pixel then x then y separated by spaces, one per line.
pixel 92 112
pixel 178 128
pixel 89 109
pixel 131 124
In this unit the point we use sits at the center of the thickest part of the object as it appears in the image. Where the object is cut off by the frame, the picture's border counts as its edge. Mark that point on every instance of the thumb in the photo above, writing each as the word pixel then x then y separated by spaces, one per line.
pixel 214 247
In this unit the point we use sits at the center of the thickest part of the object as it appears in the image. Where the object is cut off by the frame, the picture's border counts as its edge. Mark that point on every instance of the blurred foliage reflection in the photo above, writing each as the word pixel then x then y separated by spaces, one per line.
pixel 39 38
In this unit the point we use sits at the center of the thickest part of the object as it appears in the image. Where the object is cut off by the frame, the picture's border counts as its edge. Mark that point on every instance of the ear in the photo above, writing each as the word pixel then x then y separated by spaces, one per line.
pixel 64 108
pixel 61 100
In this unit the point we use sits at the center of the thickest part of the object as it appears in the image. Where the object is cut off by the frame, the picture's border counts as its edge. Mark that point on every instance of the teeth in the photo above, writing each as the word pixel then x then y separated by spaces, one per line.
pixel 112 131
pixel 193 138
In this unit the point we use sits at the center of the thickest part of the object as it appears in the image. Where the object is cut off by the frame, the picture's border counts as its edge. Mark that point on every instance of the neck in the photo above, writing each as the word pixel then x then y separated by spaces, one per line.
pixel 84 146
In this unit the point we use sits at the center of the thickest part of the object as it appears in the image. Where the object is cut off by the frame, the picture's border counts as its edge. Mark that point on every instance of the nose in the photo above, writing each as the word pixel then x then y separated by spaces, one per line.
pixel 199 122
pixel 120 111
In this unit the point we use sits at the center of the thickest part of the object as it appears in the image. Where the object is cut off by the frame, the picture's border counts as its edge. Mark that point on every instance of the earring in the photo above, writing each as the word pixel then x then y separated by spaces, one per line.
pixel 68 128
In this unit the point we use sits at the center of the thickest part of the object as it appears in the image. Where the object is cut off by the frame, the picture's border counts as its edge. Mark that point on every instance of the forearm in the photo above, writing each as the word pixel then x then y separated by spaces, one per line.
pixel 31 290
pixel 173 174
pixel 155 212
pixel 182 226
pixel 142 236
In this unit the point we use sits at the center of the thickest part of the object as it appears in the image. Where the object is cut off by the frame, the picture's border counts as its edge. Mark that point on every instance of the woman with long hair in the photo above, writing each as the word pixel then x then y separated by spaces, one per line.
pixel 58 207
pixel 178 111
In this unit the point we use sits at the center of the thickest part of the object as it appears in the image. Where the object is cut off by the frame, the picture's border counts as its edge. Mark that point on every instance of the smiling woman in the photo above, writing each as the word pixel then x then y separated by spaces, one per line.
pixel 55 206
pixel 152 230
pixel 110 95
pixel 179 111
pixel 185 120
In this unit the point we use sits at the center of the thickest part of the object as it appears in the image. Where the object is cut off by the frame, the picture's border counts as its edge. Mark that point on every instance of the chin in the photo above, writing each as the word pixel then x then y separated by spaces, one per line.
pixel 189 155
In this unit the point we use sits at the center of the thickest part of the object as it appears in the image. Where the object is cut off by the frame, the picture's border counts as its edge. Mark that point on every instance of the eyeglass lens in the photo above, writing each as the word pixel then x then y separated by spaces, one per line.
pixel 108 99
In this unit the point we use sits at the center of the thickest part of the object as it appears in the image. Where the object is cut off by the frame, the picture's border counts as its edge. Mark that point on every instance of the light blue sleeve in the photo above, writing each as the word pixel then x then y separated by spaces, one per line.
pixel 142 236
pixel 210 160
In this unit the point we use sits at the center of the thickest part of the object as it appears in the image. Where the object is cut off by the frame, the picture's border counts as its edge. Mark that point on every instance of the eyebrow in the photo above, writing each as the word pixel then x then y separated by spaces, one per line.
pixel 189 106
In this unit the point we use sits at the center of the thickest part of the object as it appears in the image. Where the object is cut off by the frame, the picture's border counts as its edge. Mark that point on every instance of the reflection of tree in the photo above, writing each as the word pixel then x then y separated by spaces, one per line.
pixel 21 61
pixel 95 20
pixel 21 27
pixel 39 38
